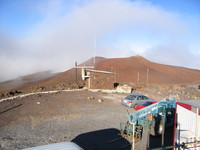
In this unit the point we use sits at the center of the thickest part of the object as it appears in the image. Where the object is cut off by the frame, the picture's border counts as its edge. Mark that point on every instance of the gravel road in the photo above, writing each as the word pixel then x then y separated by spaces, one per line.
pixel 91 119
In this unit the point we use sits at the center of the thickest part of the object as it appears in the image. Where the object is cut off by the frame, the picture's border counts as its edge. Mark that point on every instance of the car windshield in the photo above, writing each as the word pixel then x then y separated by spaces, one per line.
pixel 147 104
pixel 131 97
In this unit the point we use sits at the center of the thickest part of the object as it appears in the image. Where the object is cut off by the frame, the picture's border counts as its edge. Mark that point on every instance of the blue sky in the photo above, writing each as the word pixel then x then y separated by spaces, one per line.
pixel 52 34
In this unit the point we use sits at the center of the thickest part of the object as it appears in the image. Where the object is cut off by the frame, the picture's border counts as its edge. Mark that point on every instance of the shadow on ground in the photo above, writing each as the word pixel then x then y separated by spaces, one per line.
pixel 10 108
pixel 110 139
pixel 105 139
pixel 155 142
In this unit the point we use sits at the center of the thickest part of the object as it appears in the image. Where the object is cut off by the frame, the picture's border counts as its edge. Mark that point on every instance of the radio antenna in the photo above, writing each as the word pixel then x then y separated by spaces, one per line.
pixel 94 48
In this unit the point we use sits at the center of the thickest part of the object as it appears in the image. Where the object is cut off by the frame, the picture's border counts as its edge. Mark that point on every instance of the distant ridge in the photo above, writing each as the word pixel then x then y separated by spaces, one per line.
pixel 26 80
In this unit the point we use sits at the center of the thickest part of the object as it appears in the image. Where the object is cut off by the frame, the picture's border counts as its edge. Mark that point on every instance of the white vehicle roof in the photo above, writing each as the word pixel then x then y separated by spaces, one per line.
pixel 57 146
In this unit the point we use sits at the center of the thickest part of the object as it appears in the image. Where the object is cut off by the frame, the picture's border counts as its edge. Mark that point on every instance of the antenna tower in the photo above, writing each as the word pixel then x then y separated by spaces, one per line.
pixel 94 48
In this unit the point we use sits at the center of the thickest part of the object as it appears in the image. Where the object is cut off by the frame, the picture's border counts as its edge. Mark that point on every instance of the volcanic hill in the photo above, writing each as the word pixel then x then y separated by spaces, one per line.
pixel 132 69
pixel 135 69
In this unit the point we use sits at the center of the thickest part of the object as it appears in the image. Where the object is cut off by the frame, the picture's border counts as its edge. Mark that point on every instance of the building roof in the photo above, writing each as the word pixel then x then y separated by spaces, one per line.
pixel 194 103
pixel 99 71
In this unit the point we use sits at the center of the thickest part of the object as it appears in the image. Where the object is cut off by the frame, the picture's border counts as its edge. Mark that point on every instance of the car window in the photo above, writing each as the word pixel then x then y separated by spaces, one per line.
pixel 147 104
pixel 131 97
pixel 139 98
pixel 144 97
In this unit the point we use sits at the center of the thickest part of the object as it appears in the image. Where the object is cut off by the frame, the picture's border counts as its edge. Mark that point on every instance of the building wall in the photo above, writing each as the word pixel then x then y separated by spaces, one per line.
pixel 187 123
pixel 100 81
pixel 187 119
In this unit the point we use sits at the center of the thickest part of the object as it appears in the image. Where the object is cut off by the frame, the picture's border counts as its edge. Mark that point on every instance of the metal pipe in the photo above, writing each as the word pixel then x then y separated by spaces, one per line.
pixel 163 130
pixel 133 138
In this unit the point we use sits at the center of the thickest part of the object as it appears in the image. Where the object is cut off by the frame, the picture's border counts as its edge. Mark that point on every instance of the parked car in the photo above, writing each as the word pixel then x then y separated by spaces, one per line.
pixel 134 99
pixel 145 104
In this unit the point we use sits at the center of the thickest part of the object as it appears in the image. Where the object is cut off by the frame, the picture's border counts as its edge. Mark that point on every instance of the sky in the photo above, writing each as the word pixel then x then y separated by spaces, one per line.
pixel 52 35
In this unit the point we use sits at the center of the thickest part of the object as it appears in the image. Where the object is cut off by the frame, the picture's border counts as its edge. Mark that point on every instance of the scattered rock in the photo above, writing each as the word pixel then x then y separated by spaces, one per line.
pixel 180 92
pixel 2 95
pixel 7 138
pixel 38 95
pixel 91 98
pixel 41 88
pixel 38 103
pixel 100 100
pixel 177 87
pixel 163 87
pixel 11 93
pixel 18 92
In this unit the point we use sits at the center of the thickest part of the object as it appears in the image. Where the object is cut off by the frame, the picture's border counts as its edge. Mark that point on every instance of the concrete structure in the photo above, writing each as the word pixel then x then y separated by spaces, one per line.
pixel 96 79
pixel 124 89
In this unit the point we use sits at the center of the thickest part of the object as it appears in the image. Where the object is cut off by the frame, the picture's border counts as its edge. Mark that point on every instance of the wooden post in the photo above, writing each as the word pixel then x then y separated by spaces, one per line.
pixel 133 139
pixel 89 86
pixel 76 71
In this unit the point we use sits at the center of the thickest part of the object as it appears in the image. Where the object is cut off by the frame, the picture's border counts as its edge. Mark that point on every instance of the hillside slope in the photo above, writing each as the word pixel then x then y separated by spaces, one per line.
pixel 138 69
pixel 25 81
pixel 135 69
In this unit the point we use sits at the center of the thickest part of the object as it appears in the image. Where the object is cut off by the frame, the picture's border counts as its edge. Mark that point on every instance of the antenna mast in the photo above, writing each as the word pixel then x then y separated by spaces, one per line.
pixel 94 47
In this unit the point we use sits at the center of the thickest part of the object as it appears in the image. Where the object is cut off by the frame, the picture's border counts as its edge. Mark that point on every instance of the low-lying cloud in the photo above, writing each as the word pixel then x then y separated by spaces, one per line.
pixel 177 54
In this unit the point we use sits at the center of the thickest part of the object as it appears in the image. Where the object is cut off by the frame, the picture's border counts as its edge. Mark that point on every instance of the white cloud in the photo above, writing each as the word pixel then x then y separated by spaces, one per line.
pixel 61 39
pixel 177 54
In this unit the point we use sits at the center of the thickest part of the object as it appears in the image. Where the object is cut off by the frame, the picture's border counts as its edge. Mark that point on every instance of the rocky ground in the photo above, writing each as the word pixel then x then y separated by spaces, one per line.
pixel 83 116
pixel 180 92
pixel 64 116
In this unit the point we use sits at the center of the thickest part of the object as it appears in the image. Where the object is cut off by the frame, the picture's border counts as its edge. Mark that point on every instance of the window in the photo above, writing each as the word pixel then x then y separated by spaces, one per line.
pixel 131 97
pixel 144 97
pixel 147 104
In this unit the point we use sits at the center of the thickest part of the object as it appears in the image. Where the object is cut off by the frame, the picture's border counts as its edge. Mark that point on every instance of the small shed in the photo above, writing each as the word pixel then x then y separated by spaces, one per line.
pixel 97 79
pixel 188 122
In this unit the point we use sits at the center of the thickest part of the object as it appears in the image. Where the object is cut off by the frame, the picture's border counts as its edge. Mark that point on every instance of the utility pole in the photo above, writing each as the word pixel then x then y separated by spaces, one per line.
pixel 115 76
pixel 138 77
pixel 147 75
pixel 76 72
pixel 94 48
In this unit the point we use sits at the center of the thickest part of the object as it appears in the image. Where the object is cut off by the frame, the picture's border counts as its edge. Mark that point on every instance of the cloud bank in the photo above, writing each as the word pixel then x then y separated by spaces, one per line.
pixel 66 34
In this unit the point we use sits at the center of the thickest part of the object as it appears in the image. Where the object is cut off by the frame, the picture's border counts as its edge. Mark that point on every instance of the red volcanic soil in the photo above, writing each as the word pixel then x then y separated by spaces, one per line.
pixel 128 70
